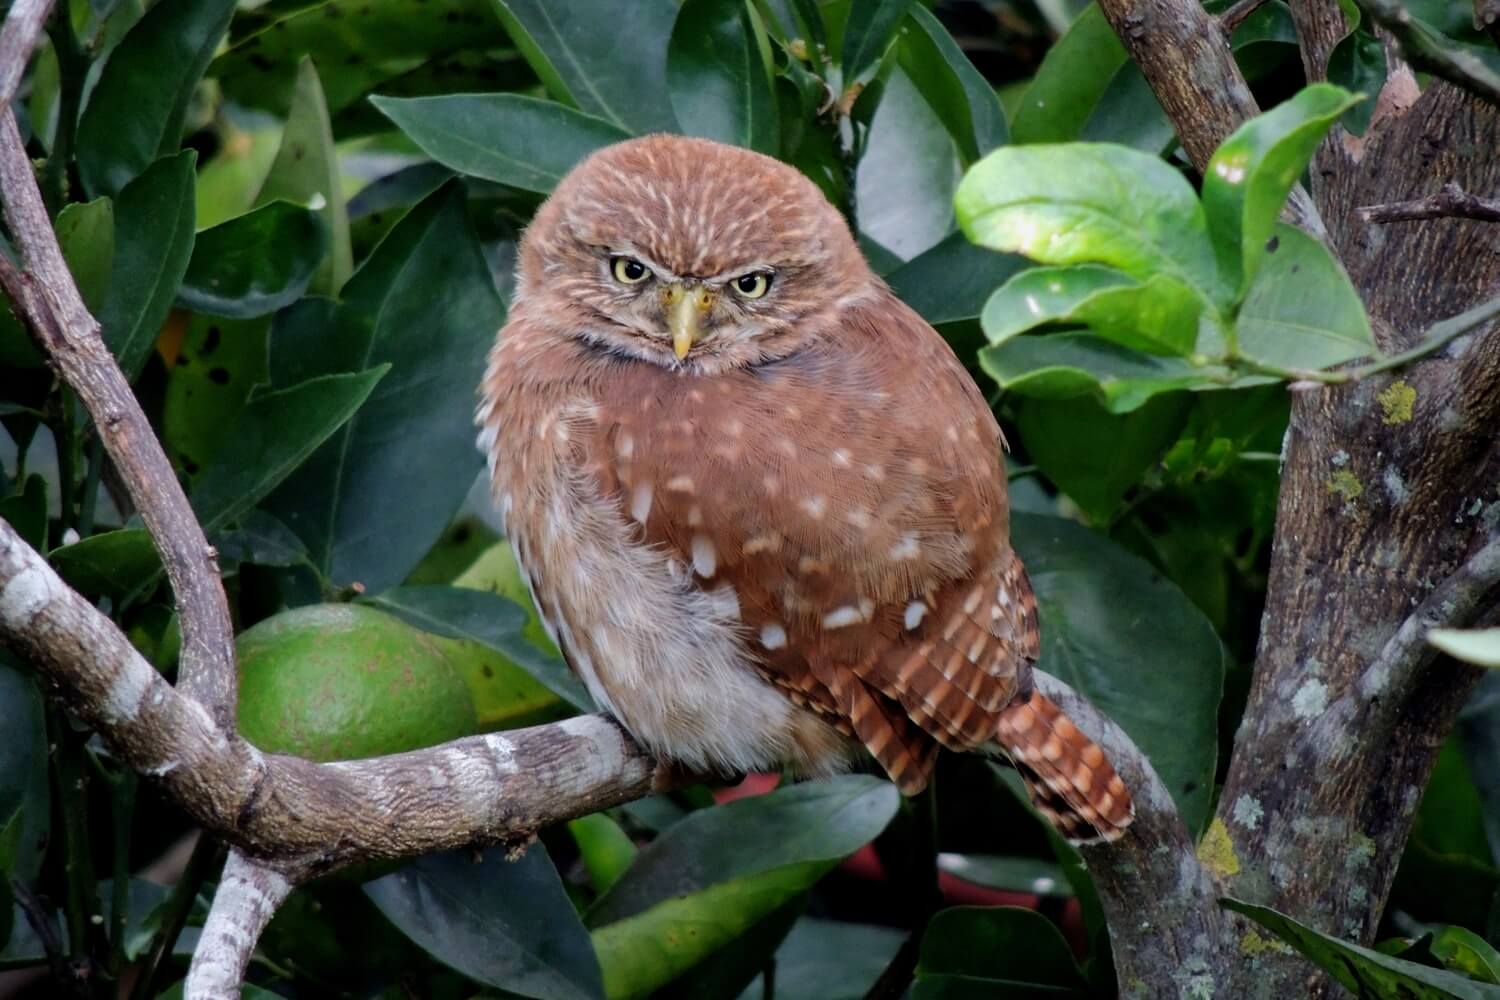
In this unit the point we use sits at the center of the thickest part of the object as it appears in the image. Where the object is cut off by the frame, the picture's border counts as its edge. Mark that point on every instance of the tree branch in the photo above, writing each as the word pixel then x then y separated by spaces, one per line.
pixel 1236 15
pixel 248 896
pixel 1423 52
pixel 1451 202
pixel 482 789
pixel 1186 59
pixel 48 299
pixel 1161 903
pixel 23 26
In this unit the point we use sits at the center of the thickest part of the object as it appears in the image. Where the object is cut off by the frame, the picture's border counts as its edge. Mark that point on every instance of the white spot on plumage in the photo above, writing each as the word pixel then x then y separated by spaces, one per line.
pixel 705 557
pixel 681 484
pixel 1002 596
pixel 640 502
pixel 762 543
pixel 625 447
pixel 915 612
pixel 971 603
pixel 816 506
pixel 859 518
pixel 772 636
pixel 841 458
pixel 842 617
pixel 905 549
pixel 695 516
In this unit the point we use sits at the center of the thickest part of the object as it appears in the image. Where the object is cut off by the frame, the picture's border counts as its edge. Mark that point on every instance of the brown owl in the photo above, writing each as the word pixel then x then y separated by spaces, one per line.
pixel 760 503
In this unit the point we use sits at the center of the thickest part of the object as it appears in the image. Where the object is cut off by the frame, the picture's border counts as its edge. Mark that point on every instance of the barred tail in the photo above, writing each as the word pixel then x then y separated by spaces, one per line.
pixel 1069 779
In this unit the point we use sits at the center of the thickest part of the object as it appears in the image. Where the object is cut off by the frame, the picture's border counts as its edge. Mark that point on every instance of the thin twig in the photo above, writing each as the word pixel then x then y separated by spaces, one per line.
pixel 248 896
pixel 23 26
pixel 1423 52
pixel 1236 15
pixel 1487 18
pixel 1451 202
pixel 1454 603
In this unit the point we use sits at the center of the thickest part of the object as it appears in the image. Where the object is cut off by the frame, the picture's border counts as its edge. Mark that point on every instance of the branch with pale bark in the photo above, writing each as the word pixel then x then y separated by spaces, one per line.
pixel 1452 202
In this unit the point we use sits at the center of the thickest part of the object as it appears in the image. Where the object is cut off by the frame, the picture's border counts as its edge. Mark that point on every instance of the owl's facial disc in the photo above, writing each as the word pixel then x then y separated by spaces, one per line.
pixel 688 309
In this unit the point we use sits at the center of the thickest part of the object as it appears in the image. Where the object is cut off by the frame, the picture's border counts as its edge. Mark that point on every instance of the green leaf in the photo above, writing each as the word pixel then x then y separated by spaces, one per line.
pixel 871 26
pixel 720 85
pixel 217 363
pixel 306 172
pixel 503 923
pixel 1013 874
pixel 86 235
pixel 952 87
pixel 425 304
pixel 25 792
pixel 1358 64
pixel 710 877
pixel 1252 172
pixel 358 47
pixel 506 138
pixel 606 849
pixel 905 202
pixel 1363 970
pixel 254 264
pixel 137 109
pixel 617 75
pixel 1134 645
pixel 995 951
pixel 1097 457
pixel 153 244
pixel 1479 646
pixel 1464 951
pixel 26 511
pixel 1063 365
pixel 261 539
pixel 1067 86
pixel 486 618
pixel 277 431
pixel 828 960
pixel 1081 203
pixel 1302 311
pixel 1158 316
pixel 950 282
pixel 110 564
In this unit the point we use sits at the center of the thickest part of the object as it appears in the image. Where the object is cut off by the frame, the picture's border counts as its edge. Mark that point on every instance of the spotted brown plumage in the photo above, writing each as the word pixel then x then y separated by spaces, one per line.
pixel 759 501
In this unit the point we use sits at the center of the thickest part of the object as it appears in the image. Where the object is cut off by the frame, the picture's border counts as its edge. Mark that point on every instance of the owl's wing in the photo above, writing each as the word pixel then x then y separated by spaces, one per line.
pixel 853 496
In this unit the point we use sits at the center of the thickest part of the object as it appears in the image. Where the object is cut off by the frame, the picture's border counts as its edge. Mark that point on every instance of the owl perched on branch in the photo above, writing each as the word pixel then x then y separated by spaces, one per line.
pixel 760 503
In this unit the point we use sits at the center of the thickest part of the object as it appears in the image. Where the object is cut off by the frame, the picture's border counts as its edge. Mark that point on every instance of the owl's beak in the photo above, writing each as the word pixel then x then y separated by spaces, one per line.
pixel 686 306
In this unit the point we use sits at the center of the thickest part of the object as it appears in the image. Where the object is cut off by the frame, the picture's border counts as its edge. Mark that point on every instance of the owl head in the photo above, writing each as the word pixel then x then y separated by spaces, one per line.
pixel 685 252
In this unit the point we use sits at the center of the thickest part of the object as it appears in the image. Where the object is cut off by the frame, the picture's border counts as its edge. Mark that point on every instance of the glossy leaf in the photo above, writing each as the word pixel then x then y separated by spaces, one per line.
pixel 619 76
pixel 1358 64
pixel 153 244
pixel 1074 74
pixel 255 264
pixel 905 202
pixel 277 431
pixel 950 282
pixel 137 109
pixel 1158 316
pixel 506 138
pixel 710 877
pixel 1132 642
pixel 86 235
pixel 992 950
pixel 1480 646
pixel 1094 456
pixel 1081 203
pixel 490 619
pixel 720 85
pixel 306 172
pixel 1013 874
pixel 259 538
pixel 357 47
pixel 110 564
pixel 423 303
pixel 1302 311
pixel 503 923
pixel 606 849
pixel 1063 365
pixel 867 33
pixel 952 87
pixel 1251 173
pixel 1364 970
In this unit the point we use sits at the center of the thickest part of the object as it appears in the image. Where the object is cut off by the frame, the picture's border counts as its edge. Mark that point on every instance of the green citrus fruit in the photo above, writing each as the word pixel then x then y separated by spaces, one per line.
pixel 344 681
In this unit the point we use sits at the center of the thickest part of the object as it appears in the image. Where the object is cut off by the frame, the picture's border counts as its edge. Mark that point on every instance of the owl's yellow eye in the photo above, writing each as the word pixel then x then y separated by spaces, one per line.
pixel 752 285
pixel 628 270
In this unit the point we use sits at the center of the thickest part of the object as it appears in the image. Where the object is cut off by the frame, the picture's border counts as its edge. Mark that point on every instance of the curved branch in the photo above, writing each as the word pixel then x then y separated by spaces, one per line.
pixel 47 298
pixel 248 896
pixel 483 789
pixel 1423 52
pixel 1159 900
